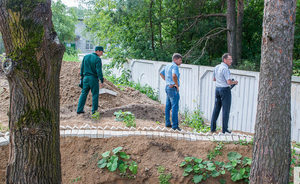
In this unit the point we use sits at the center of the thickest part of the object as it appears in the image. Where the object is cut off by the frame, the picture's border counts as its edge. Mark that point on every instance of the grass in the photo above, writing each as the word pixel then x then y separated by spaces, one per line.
pixel 68 57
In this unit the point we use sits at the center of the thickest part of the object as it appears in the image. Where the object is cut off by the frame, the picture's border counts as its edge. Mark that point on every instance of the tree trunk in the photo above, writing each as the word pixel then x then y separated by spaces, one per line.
pixel 33 71
pixel 272 140
pixel 151 25
pixel 240 16
pixel 231 26
pixel 160 27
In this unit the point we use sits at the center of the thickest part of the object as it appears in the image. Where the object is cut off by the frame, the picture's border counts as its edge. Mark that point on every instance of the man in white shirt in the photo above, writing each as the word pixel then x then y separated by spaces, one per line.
pixel 223 93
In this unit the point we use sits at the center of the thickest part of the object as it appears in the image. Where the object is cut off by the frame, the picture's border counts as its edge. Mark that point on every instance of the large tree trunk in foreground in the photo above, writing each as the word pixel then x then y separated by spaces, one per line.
pixel 231 26
pixel 272 140
pixel 33 77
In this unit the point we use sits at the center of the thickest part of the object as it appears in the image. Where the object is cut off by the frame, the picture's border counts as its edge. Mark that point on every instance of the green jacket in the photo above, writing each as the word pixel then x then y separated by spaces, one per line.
pixel 91 66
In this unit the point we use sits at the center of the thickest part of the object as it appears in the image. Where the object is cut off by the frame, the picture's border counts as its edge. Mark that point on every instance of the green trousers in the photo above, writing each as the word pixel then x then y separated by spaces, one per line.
pixel 89 83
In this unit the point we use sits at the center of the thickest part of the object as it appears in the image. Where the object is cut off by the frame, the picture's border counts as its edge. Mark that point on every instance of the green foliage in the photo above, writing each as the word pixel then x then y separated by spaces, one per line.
pixel 195 121
pixel 127 117
pixel 295 161
pixel 64 21
pixel 96 116
pixel 119 160
pixel 3 128
pixel 248 65
pixel 71 55
pixel 124 80
pixel 2 49
pixel 156 29
pixel 244 142
pixel 76 180
pixel 201 170
pixel 216 151
pixel 296 52
pixel 296 67
pixel 237 166
pixel 163 177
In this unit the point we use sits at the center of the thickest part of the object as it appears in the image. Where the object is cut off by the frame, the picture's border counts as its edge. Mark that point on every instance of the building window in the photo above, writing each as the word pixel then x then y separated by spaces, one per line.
pixel 89 45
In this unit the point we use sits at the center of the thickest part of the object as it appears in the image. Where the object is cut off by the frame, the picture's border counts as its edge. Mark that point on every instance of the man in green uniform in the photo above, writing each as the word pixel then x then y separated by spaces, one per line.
pixel 91 72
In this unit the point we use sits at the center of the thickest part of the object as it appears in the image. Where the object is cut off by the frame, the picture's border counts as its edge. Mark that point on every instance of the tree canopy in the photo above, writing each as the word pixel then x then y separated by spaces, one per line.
pixel 64 20
pixel 154 29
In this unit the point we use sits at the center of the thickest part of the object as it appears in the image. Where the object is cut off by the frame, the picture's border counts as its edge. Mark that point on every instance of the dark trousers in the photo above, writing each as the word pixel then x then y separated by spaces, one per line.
pixel 222 100
pixel 89 83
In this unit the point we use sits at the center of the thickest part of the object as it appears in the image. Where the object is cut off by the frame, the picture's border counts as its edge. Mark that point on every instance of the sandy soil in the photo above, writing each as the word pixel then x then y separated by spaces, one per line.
pixel 80 156
pixel 146 111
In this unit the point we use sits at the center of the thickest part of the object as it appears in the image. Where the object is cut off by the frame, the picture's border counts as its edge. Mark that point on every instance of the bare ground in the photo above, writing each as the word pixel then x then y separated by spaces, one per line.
pixel 79 155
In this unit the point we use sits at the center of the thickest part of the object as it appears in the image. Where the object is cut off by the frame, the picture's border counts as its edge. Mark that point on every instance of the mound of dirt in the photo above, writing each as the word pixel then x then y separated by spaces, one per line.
pixel 127 99
pixel 79 158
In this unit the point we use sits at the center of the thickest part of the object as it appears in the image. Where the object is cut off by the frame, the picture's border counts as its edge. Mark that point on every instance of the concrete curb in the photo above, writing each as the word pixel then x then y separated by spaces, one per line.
pixel 106 132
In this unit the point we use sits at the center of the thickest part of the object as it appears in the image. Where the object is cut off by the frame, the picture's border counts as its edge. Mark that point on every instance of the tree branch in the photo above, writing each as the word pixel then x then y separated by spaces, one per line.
pixel 209 35
pixel 205 16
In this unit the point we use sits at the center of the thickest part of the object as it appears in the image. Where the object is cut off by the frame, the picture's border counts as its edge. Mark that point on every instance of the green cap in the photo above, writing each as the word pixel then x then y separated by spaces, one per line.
pixel 100 48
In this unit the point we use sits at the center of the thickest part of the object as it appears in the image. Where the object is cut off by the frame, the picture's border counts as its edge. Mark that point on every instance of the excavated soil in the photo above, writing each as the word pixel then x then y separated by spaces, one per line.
pixel 80 155
pixel 146 111
pixel 79 158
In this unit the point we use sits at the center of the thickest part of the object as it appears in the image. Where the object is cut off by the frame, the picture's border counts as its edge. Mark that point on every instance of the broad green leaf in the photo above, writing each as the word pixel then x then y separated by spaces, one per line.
pixel 182 164
pixel 114 165
pixel 116 150
pixel 201 166
pixel 221 164
pixel 247 161
pixel 102 163
pixel 133 167
pixel 234 156
pixel 234 163
pixel 223 172
pixel 123 168
pixel 124 155
pixel 188 169
pixel 196 169
pixel 105 154
pixel 236 175
pixel 198 160
pixel 228 166
pixel 211 167
pixel 197 178
pixel 215 173
pixel 188 159
pixel 185 173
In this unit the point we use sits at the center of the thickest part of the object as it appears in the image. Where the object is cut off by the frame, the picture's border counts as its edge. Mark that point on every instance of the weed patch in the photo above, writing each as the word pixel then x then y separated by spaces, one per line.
pixel 119 160
pixel 127 117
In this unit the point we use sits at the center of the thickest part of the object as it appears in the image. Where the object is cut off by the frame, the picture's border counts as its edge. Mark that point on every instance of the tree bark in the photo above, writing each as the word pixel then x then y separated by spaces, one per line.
pixel 239 31
pixel 160 26
pixel 151 25
pixel 231 26
pixel 272 140
pixel 32 69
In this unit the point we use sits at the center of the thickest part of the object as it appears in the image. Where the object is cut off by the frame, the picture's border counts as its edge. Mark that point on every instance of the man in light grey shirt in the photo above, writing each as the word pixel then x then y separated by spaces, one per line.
pixel 223 93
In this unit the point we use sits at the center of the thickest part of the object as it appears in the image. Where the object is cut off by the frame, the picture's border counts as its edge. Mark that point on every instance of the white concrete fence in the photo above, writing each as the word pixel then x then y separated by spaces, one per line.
pixel 197 91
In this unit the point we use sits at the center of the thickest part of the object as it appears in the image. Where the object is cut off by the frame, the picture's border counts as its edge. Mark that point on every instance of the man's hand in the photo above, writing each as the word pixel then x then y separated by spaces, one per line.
pixel 177 87
pixel 101 85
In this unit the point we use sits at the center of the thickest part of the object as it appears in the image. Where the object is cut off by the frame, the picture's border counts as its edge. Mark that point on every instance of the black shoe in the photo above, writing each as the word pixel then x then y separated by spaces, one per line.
pixel 213 131
pixel 227 131
pixel 169 126
pixel 80 112
pixel 179 129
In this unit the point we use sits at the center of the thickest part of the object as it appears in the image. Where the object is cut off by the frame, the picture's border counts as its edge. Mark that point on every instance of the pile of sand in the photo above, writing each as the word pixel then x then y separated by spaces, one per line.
pixel 127 99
